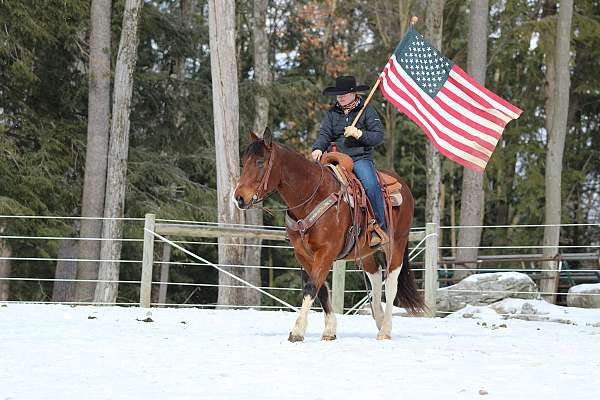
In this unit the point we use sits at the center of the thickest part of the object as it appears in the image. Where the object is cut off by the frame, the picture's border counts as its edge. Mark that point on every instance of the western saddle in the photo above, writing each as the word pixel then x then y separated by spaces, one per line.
pixel 353 193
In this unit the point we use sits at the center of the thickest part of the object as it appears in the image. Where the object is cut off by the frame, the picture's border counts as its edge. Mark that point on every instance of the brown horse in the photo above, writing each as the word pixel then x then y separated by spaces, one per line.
pixel 269 167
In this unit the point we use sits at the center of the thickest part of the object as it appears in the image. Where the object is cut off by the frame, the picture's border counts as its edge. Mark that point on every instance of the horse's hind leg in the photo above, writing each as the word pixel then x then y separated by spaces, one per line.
pixel 374 273
pixel 391 287
pixel 309 293
pixel 330 323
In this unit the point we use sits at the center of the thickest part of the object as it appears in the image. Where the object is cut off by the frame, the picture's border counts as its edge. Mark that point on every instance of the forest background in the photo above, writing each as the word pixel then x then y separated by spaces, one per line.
pixel 171 168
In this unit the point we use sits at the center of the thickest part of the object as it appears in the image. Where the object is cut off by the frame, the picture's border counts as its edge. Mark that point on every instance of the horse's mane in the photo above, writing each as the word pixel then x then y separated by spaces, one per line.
pixel 256 148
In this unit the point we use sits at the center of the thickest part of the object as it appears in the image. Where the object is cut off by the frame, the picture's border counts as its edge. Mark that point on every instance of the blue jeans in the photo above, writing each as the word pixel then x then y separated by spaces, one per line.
pixel 365 171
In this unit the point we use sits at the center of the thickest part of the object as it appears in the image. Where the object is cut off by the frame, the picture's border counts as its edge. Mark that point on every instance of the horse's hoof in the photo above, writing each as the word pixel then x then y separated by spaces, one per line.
pixel 328 337
pixel 295 338
pixel 384 336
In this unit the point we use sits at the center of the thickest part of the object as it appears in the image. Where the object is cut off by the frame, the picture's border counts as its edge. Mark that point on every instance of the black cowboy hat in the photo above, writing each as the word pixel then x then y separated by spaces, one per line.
pixel 343 85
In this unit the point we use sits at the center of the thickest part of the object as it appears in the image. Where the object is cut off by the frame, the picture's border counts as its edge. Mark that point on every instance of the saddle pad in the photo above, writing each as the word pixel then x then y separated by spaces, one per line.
pixel 396 198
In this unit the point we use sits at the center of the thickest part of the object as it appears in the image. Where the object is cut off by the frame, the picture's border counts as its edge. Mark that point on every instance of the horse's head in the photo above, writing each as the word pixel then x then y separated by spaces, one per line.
pixel 256 180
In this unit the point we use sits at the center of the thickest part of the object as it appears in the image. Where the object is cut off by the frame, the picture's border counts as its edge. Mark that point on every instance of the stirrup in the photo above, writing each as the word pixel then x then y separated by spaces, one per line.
pixel 378 237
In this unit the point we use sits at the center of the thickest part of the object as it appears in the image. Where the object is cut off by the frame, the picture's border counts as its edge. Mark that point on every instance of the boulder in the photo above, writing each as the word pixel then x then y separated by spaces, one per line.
pixel 528 310
pixel 483 289
pixel 584 296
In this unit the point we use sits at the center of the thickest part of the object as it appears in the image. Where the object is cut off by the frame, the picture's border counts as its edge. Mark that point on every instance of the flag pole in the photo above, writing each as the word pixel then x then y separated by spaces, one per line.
pixel 413 21
pixel 366 102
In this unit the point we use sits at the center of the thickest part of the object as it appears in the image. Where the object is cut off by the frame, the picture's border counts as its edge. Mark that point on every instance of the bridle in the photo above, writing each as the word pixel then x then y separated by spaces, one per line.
pixel 261 192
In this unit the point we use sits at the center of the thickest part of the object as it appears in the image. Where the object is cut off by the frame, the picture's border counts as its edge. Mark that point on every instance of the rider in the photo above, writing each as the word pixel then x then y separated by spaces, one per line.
pixel 356 141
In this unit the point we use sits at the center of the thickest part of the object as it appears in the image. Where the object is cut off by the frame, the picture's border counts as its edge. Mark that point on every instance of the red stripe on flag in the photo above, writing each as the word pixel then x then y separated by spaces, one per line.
pixel 487 92
pixel 441 149
pixel 466 120
pixel 450 109
pixel 478 111
pixel 448 153
pixel 424 102
pixel 473 95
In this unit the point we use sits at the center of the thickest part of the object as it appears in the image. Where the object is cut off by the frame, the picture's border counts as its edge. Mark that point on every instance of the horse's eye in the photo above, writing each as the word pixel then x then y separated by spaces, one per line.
pixel 260 163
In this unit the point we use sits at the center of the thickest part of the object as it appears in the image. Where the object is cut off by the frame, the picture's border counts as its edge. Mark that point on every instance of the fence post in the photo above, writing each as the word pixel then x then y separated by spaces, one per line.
pixel 147 261
pixel 431 268
pixel 164 273
pixel 338 283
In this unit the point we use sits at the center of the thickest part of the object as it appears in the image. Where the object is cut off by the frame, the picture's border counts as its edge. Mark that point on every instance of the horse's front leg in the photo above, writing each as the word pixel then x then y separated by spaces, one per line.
pixel 330 322
pixel 391 287
pixel 309 293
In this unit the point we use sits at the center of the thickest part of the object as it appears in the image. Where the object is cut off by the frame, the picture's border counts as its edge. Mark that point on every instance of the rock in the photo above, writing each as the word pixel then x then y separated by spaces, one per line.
pixel 528 310
pixel 584 296
pixel 534 310
pixel 483 289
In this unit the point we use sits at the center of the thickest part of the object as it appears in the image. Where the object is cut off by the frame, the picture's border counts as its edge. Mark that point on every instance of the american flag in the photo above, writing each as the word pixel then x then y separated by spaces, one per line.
pixel 462 118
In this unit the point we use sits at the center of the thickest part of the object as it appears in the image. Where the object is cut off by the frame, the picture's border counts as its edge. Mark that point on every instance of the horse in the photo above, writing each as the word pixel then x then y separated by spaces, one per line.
pixel 268 167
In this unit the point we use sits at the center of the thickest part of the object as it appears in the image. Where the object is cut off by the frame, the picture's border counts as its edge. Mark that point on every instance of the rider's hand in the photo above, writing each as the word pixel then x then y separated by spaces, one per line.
pixel 353 131
pixel 316 155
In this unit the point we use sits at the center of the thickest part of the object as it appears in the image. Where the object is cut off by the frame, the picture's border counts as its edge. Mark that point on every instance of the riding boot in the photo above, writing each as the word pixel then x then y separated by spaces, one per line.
pixel 378 236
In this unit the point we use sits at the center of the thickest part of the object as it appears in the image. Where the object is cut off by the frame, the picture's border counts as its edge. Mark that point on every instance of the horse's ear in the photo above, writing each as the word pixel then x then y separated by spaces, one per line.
pixel 253 136
pixel 268 137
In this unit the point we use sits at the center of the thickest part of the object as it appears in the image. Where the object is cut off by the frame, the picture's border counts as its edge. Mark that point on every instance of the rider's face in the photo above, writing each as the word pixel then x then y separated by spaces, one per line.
pixel 345 99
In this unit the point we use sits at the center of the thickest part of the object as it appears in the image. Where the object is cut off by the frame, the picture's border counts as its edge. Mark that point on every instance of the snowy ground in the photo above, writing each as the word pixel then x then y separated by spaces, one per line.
pixel 61 352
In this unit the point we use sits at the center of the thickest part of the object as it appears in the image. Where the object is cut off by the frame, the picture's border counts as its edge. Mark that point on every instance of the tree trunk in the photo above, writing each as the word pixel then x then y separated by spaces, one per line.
pixel 391 117
pixel 387 17
pixel 471 202
pixel 94 182
pixel 434 24
pixel 116 182
pixel 5 252
pixel 226 119
pixel 64 291
pixel 556 143
pixel 262 74
pixel 186 8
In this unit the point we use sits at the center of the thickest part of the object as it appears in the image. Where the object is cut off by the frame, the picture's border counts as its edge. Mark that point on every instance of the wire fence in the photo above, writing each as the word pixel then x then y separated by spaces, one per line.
pixel 20 260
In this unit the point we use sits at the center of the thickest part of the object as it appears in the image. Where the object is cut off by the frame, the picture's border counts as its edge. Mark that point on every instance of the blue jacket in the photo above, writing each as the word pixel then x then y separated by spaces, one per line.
pixel 332 130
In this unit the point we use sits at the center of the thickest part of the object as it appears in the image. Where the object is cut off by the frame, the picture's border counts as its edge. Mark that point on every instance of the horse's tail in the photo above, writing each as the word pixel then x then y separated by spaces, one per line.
pixel 407 295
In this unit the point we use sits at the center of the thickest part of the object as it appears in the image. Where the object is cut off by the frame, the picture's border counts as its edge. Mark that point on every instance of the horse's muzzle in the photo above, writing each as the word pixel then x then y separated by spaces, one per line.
pixel 240 202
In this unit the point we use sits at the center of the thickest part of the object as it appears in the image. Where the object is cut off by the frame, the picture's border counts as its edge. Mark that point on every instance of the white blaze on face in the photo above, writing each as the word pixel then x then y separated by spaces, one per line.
pixel 235 201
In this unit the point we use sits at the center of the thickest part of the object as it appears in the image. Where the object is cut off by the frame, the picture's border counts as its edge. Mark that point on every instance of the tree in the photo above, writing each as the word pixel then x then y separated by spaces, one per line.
pixel 264 78
pixel 221 17
pixel 386 16
pixel 434 25
pixel 559 79
pixel 94 182
pixel 471 202
pixel 116 183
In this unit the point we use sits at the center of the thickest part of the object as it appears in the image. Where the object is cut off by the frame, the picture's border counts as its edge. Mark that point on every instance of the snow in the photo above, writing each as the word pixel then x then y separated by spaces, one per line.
pixel 585 288
pixel 501 276
pixel 62 352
